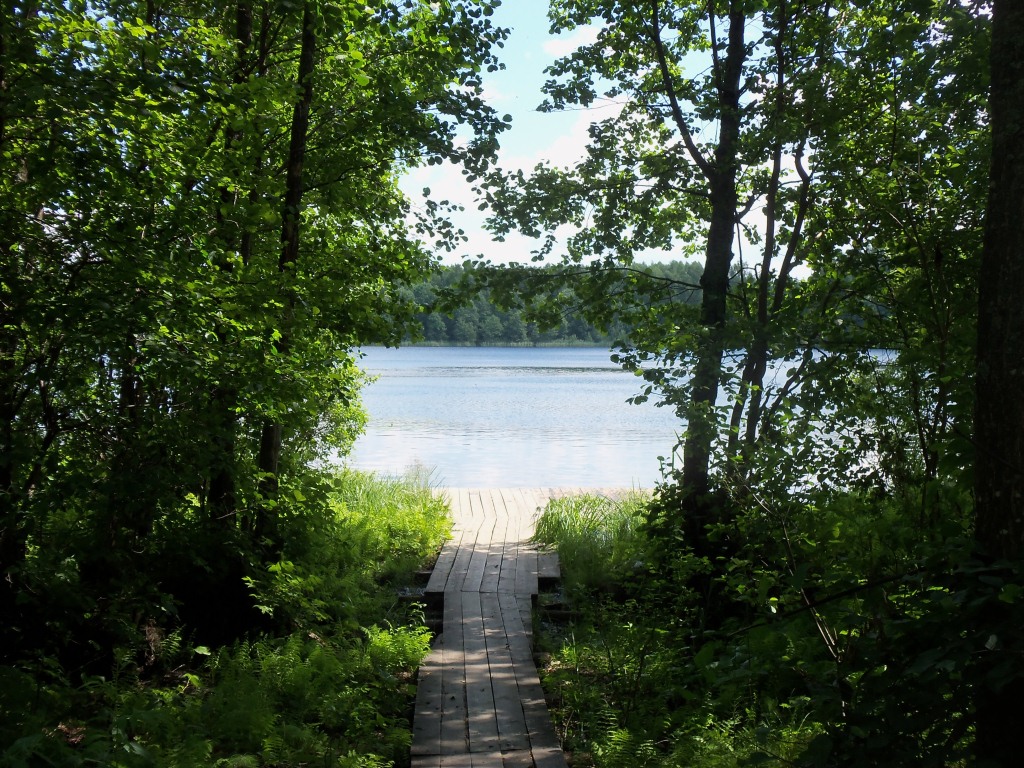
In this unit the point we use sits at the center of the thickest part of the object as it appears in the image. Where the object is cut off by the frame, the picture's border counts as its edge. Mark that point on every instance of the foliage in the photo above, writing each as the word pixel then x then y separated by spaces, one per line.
pixel 628 679
pixel 200 221
pixel 830 161
pixel 839 637
pixel 600 541
pixel 332 685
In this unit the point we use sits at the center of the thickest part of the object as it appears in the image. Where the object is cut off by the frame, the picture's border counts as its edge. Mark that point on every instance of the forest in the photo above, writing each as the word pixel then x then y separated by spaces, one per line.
pixel 483 320
pixel 201 222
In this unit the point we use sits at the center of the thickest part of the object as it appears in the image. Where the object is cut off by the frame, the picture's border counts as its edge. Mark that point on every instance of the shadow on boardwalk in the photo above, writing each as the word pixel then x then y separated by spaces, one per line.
pixel 479 702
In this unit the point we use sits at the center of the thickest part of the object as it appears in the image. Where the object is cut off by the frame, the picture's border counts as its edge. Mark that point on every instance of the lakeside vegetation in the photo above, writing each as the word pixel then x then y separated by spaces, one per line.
pixel 820 641
pixel 201 219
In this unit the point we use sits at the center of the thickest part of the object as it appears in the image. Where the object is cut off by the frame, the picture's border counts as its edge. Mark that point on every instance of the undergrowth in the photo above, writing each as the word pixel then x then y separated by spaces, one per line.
pixel 329 684
pixel 822 632
pixel 628 683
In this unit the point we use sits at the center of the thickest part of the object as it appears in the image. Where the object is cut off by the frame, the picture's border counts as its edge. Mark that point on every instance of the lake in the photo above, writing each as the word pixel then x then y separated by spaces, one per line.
pixel 511 417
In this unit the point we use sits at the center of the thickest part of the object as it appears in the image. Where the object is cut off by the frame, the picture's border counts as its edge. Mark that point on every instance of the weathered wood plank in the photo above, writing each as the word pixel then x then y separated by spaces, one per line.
pixel 486 759
pixel 479 701
pixel 454 734
pixel 478 557
pixel 498 542
pixel 517 758
pixel 463 558
pixel 543 740
pixel 507 707
pixel 465 510
pixel 516 532
pixel 426 728
pixel 526 615
pixel 445 560
pixel 526 571
pixel 549 570
pixel 480 711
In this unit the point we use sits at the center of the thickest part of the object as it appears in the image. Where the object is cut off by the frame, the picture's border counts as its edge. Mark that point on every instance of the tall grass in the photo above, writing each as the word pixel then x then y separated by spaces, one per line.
pixel 599 540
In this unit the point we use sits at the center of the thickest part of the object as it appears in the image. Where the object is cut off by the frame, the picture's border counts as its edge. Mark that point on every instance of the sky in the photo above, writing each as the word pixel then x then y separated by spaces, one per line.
pixel 534 137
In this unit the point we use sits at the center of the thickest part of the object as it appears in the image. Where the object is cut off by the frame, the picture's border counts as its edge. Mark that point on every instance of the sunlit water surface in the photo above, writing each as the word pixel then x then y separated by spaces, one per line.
pixel 511 417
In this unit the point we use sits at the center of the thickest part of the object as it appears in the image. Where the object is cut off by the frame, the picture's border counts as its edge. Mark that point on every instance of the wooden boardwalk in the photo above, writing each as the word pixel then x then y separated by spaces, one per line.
pixel 479 703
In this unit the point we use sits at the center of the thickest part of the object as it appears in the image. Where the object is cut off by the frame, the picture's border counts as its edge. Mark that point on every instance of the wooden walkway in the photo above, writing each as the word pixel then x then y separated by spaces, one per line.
pixel 479 703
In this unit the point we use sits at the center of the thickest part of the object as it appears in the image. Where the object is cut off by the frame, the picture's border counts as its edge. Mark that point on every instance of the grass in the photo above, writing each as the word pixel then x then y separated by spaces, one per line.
pixel 599 540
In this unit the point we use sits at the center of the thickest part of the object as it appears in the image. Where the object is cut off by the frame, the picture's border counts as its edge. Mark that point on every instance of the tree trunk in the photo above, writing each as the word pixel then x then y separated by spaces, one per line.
pixel 701 416
pixel 221 495
pixel 999 408
pixel 272 432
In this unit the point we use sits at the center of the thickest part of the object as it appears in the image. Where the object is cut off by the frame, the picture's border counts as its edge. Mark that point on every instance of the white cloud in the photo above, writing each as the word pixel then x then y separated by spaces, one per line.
pixel 564 45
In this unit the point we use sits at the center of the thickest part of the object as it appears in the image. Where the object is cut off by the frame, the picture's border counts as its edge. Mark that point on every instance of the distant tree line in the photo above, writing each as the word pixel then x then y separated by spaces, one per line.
pixel 484 319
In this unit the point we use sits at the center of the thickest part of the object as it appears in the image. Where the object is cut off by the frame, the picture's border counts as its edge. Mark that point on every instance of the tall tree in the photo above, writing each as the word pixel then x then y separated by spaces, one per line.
pixel 999 408
pixel 707 153
pixel 200 220
pixel 777 140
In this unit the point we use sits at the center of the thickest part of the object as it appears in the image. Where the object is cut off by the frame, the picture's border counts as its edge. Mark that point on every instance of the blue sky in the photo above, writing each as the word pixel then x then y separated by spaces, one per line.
pixel 534 136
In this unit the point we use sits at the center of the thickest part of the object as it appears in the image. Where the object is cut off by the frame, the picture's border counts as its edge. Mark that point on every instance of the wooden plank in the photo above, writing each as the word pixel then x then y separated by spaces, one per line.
pixel 496 548
pixel 526 571
pixel 515 535
pixel 475 504
pixel 543 740
pixel 519 758
pixel 463 558
pixel 465 508
pixel 426 724
pixel 487 503
pixel 486 759
pixel 535 500
pixel 479 702
pixel 480 713
pixel 454 734
pixel 526 562
pixel 549 571
pixel 547 565
pixel 478 558
pixel 548 757
pixel 443 567
pixel 496 554
pixel 500 501
pixel 526 616
pixel 507 707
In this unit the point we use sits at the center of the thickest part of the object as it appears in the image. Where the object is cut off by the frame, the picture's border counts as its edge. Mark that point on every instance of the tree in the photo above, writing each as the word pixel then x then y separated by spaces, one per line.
pixel 695 153
pixel 777 138
pixel 200 221
pixel 999 406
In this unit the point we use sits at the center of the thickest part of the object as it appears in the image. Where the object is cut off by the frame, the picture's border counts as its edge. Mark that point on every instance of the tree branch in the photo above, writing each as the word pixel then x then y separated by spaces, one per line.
pixel 666 77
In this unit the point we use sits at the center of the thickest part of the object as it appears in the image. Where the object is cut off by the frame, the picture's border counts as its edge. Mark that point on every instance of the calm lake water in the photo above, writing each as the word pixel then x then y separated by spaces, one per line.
pixel 511 417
